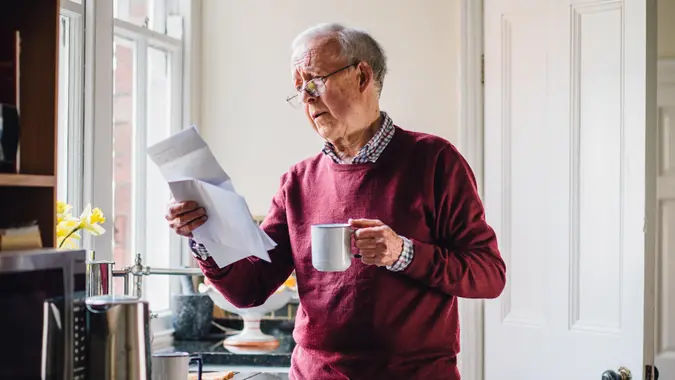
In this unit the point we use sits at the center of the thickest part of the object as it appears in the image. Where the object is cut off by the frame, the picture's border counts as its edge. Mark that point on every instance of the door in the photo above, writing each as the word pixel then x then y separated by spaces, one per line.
pixel 665 328
pixel 570 114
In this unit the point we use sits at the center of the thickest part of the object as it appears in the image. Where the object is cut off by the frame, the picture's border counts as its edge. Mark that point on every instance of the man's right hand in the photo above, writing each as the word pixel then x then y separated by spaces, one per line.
pixel 185 217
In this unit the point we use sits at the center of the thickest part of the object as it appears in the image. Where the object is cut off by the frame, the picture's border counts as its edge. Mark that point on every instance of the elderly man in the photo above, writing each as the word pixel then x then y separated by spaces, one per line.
pixel 412 200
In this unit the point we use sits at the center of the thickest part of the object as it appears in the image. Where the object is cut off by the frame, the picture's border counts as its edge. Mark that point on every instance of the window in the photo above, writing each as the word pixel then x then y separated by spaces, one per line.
pixel 124 105
pixel 107 121
pixel 70 123
pixel 64 68
pixel 147 107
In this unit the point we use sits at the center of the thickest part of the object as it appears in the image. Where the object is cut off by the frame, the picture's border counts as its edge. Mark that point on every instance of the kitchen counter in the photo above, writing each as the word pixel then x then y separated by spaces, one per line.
pixel 215 354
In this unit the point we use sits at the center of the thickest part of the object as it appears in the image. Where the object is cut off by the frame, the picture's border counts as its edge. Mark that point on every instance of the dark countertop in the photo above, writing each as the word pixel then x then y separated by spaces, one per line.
pixel 259 376
pixel 214 353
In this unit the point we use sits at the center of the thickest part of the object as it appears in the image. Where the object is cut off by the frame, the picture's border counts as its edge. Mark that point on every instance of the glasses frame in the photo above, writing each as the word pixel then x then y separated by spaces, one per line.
pixel 296 98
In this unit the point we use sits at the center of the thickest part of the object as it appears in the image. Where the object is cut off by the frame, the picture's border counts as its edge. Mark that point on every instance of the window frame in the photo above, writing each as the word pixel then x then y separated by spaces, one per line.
pixel 145 38
pixel 97 144
pixel 75 123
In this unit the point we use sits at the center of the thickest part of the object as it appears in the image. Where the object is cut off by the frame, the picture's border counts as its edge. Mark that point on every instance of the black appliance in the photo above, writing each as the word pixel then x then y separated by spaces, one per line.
pixel 42 314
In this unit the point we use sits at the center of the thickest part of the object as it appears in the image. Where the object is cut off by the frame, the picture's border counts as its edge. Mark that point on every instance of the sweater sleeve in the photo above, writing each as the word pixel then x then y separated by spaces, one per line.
pixel 464 259
pixel 250 281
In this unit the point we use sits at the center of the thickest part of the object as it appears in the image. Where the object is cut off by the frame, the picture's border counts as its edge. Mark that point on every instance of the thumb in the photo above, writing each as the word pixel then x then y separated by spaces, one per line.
pixel 365 223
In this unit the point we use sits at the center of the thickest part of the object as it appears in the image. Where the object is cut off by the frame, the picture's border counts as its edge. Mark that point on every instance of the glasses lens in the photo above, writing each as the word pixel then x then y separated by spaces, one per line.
pixel 294 101
pixel 316 87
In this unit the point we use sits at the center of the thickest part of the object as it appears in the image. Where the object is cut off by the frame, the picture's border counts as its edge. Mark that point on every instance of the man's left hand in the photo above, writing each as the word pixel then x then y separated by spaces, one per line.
pixel 378 243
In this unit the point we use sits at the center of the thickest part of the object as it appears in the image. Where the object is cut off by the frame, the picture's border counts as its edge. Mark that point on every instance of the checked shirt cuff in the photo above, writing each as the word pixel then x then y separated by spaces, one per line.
pixel 199 251
pixel 406 256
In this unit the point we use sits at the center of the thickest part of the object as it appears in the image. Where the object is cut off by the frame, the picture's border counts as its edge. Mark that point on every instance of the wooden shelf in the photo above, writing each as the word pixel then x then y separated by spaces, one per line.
pixel 27 180
pixel 29 46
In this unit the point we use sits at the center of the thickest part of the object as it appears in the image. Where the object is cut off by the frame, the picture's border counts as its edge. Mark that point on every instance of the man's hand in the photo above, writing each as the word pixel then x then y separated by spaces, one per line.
pixel 185 217
pixel 379 245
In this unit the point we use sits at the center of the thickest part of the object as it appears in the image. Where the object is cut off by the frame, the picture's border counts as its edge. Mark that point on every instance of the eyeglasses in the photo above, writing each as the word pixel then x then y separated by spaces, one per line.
pixel 315 87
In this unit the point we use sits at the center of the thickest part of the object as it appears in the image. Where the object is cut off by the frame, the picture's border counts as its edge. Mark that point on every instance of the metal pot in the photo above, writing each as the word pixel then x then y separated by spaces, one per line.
pixel 99 277
pixel 118 340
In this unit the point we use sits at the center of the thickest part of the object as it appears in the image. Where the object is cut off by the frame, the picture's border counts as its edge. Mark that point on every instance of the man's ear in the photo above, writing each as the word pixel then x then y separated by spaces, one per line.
pixel 365 76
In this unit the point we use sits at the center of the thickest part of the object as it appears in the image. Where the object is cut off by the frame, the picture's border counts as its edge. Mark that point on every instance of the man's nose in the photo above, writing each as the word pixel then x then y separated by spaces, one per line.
pixel 306 97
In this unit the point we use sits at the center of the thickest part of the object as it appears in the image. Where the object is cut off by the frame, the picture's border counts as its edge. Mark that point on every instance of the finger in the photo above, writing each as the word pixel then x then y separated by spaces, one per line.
pixel 372 260
pixel 189 217
pixel 184 232
pixel 368 243
pixel 370 232
pixel 184 220
pixel 379 242
pixel 179 208
pixel 378 252
pixel 364 223
pixel 187 229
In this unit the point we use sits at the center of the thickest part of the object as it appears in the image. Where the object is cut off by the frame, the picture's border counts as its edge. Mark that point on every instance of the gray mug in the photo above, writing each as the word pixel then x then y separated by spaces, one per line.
pixel 331 247
pixel 174 365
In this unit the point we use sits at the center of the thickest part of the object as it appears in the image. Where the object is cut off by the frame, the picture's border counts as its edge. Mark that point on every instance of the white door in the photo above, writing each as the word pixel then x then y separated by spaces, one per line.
pixel 569 186
pixel 665 328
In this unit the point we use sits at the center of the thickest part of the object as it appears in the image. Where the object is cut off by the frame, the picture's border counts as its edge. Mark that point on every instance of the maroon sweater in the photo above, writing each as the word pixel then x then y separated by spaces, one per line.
pixel 369 322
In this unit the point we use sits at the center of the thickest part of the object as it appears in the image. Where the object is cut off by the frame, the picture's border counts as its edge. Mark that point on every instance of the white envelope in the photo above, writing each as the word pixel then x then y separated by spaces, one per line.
pixel 193 173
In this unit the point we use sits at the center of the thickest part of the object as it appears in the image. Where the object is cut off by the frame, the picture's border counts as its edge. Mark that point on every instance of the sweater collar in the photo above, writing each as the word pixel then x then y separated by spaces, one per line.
pixel 373 148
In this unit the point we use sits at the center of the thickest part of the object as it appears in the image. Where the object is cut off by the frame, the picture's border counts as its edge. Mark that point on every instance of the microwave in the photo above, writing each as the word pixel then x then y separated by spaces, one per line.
pixel 42 314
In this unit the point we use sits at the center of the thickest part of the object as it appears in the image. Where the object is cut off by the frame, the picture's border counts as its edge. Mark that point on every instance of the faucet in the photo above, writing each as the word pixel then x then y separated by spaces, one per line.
pixel 138 271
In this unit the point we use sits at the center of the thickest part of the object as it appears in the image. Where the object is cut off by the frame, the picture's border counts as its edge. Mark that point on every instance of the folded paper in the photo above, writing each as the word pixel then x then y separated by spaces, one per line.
pixel 193 174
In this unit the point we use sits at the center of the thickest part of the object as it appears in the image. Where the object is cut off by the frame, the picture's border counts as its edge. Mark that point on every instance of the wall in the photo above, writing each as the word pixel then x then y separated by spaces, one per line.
pixel 666 25
pixel 246 78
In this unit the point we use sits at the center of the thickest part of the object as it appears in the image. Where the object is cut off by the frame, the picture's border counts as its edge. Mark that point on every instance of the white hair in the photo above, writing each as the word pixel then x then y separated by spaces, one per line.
pixel 355 45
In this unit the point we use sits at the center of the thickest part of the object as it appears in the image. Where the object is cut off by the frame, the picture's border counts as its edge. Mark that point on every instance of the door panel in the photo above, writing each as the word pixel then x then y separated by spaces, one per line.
pixel 523 300
pixel 565 177
pixel 597 168
pixel 518 140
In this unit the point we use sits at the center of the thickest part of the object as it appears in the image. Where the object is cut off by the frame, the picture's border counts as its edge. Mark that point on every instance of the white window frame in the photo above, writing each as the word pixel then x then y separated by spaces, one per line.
pixel 145 38
pixel 97 187
pixel 98 103
pixel 75 148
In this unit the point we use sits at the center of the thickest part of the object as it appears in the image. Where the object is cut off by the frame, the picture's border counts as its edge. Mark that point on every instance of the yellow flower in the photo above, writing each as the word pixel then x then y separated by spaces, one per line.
pixel 89 221
pixel 290 283
pixel 62 207
pixel 97 216
pixel 67 226
pixel 62 211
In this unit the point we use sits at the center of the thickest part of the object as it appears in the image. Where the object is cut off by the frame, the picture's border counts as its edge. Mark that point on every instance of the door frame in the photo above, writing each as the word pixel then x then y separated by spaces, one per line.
pixel 470 122
pixel 665 88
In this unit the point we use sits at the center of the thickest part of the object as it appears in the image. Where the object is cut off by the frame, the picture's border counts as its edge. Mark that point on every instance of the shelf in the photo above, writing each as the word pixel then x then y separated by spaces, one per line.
pixel 27 180
pixel 32 80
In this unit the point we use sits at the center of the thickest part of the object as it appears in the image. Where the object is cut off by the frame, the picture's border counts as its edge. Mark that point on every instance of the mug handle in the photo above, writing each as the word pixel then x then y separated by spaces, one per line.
pixel 352 231
pixel 200 363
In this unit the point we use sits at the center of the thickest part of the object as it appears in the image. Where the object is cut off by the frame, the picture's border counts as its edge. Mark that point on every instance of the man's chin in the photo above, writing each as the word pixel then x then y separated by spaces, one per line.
pixel 327 132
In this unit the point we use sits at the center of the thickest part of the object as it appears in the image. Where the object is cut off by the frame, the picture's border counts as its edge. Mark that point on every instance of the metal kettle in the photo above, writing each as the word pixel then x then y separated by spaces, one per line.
pixel 118 341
